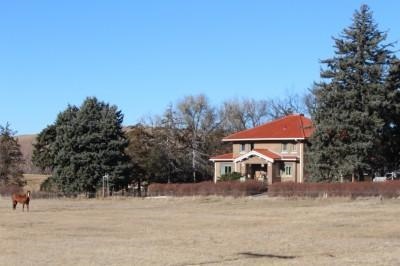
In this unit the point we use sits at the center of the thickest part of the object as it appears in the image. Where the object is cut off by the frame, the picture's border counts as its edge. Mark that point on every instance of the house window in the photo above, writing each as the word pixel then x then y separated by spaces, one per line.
pixel 228 169
pixel 242 148
pixel 294 147
pixel 288 170
pixel 284 147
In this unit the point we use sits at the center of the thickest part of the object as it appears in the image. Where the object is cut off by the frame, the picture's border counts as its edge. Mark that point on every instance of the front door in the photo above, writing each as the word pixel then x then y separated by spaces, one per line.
pixel 257 171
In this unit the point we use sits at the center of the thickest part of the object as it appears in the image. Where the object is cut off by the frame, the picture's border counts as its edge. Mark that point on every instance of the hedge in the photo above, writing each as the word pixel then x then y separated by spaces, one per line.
pixel 9 189
pixel 227 188
pixel 389 189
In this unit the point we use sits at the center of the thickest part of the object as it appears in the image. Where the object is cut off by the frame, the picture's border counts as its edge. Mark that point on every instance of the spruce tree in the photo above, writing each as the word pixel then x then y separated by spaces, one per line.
pixel 349 124
pixel 390 147
pixel 11 159
pixel 83 145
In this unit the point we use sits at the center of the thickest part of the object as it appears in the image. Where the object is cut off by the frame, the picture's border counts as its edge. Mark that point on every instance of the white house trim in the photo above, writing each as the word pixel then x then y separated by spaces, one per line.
pixel 221 160
pixel 288 159
pixel 257 139
pixel 253 153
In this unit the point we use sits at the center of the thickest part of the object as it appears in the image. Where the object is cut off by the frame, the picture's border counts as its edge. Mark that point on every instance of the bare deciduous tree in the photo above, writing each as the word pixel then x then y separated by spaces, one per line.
pixel 199 119
pixel 242 114
pixel 290 104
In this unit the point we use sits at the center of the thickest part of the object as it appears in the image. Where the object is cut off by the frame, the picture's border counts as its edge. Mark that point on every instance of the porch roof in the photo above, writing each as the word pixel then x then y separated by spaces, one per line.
pixel 265 154
pixel 227 157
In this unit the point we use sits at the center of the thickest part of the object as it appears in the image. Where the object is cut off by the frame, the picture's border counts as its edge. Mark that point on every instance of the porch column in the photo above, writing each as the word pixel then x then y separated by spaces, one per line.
pixel 301 179
pixel 269 173
pixel 215 172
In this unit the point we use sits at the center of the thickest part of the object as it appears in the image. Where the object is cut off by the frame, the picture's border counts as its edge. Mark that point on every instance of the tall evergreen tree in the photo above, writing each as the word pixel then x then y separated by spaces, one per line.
pixel 348 116
pixel 83 145
pixel 11 159
pixel 390 147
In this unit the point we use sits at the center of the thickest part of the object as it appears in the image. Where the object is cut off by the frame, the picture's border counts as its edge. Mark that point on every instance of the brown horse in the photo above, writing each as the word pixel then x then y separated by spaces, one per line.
pixel 23 199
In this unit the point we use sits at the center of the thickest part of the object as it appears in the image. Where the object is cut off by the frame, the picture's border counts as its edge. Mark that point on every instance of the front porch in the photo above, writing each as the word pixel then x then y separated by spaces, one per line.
pixel 261 165
pixel 257 164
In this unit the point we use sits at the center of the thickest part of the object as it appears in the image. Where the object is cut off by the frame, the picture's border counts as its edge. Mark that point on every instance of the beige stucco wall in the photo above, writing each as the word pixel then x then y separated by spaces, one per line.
pixel 298 172
pixel 218 165
pixel 236 147
pixel 275 146
pixel 217 170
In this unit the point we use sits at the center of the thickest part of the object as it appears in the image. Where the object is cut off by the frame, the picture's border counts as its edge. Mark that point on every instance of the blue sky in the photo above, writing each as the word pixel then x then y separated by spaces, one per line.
pixel 143 55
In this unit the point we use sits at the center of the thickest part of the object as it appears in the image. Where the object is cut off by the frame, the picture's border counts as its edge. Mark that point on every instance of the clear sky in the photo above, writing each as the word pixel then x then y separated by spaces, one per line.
pixel 143 55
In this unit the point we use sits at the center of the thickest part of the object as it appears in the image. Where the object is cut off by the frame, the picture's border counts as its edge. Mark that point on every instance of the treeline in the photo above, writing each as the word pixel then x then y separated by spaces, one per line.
pixel 87 142
pixel 176 146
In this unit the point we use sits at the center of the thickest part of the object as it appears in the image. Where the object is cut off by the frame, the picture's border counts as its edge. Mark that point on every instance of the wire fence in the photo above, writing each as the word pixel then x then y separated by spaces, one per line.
pixel 80 195
pixel 389 189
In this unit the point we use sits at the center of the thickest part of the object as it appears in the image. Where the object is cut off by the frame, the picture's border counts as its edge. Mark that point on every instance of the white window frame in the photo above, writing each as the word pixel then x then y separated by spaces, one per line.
pixel 294 148
pixel 224 167
pixel 242 148
pixel 288 170
pixel 227 169
pixel 286 145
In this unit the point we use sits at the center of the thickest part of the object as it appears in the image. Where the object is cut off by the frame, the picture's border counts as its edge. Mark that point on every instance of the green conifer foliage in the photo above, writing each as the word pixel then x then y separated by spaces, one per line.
pixel 350 98
pixel 11 158
pixel 83 145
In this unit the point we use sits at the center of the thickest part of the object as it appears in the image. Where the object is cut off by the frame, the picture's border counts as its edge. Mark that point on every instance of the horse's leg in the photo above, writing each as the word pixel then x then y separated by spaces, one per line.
pixel 27 207
pixel 14 205
pixel 23 207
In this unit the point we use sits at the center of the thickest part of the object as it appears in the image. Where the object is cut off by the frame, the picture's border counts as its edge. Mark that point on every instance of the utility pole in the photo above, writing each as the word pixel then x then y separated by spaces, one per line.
pixel 106 185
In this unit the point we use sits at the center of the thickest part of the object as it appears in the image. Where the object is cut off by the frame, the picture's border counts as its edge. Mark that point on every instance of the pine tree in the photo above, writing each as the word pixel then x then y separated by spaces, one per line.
pixel 348 115
pixel 390 146
pixel 11 159
pixel 83 145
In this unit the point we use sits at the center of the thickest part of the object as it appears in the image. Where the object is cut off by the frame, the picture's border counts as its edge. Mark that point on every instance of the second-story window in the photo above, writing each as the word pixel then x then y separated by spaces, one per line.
pixel 242 147
pixel 284 147
pixel 294 147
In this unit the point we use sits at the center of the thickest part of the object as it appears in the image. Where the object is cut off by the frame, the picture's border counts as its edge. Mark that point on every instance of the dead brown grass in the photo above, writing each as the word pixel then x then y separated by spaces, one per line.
pixel 201 231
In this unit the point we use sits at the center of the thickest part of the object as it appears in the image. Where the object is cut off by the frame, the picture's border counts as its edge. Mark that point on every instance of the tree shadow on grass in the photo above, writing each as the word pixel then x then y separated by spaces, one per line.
pixel 262 255
pixel 243 255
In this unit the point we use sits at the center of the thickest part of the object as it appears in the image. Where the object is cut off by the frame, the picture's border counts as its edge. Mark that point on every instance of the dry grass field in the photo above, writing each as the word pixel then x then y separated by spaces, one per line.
pixel 201 231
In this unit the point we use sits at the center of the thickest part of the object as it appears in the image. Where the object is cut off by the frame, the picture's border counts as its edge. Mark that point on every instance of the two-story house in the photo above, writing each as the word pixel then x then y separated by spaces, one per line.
pixel 273 152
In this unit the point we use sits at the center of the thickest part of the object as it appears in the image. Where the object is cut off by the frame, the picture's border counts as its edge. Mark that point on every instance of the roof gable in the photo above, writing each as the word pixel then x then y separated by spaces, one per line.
pixel 288 127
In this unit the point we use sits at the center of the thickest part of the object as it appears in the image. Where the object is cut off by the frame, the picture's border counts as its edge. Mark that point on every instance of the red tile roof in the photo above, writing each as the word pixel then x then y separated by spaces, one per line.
pixel 288 127
pixel 268 153
pixel 227 157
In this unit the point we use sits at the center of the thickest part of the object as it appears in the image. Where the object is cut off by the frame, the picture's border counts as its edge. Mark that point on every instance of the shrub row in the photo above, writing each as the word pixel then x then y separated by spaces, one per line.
pixel 389 189
pixel 227 188
pixel 7 190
